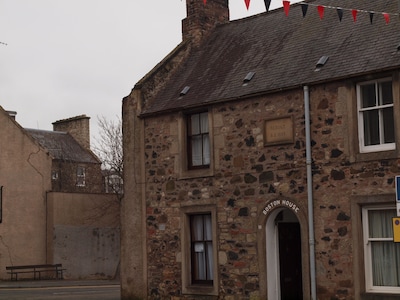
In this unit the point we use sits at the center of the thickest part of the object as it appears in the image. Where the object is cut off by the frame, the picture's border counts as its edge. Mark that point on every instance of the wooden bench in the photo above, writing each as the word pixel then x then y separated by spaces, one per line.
pixel 36 270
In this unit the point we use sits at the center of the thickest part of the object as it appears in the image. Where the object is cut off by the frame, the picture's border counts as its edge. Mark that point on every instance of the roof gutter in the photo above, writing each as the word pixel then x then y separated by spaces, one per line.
pixel 262 93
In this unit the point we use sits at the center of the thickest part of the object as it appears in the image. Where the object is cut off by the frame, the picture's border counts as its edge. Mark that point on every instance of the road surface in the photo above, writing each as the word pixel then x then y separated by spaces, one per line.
pixel 101 292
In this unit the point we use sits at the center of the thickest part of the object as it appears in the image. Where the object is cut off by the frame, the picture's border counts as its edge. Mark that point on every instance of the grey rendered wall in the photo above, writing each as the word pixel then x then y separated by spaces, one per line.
pixel 84 234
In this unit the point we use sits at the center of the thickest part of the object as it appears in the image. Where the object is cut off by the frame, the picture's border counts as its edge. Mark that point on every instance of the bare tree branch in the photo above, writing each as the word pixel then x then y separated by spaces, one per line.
pixel 108 147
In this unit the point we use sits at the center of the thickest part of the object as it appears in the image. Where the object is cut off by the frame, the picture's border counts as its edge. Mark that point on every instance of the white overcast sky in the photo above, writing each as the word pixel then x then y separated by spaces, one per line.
pixel 65 58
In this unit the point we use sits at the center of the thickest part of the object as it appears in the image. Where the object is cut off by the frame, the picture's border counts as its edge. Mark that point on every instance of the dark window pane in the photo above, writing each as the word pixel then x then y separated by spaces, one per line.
pixel 197 150
pixel 201 248
pixel 198 141
pixel 207 228
pixel 368 95
pixel 386 93
pixel 195 124
pixel 206 149
pixel 371 127
pixel 388 124
pixel 385 263
pixel 200 263
pixel 380 223
pixel 197 227
pixel 385 255
pixel 204 122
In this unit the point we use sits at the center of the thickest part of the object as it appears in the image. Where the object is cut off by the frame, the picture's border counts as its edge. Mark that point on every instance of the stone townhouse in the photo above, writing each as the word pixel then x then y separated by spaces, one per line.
pixel 51 201
pixel 74 167
pixel 261 155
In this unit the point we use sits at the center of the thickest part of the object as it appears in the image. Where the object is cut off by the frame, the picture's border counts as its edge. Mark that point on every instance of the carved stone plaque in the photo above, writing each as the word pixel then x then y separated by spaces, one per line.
pixel 279 131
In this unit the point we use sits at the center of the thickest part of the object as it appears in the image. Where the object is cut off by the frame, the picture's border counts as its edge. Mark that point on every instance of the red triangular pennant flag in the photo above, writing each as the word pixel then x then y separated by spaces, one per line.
pixel 321 10
pixel 354 13
pixel 247 3
pixel 387 17
pixel 286 7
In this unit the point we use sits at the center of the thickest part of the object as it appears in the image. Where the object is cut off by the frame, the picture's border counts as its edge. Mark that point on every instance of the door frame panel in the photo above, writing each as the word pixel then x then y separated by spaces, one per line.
pixel 267 252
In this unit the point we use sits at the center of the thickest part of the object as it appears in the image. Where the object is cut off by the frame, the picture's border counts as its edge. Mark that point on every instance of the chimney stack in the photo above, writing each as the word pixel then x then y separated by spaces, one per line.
pixel 12 114
pixel 78 127
pixel 203 18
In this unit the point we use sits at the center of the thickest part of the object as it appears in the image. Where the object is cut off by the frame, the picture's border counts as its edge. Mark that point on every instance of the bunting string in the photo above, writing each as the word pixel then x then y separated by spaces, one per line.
pixel 321 10
pixel 339 10
pixel 349 9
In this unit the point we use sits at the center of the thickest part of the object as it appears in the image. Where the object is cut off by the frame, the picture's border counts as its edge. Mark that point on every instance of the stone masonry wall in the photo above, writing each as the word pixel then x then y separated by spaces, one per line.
pixel 247 175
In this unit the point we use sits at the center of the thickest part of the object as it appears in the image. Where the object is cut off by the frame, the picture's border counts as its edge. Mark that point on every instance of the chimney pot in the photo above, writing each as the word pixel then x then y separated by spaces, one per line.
pixel 12 114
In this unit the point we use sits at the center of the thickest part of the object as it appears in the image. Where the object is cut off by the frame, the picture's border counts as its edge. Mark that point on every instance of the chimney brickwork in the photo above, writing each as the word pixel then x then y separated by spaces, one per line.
pixel 12 114
pixel 78 127
pixel 203 18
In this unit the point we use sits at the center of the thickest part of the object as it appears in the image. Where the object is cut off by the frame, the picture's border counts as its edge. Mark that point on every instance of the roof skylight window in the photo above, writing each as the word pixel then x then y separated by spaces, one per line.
pixel 248 77
pixel 321 62
pixel 185 91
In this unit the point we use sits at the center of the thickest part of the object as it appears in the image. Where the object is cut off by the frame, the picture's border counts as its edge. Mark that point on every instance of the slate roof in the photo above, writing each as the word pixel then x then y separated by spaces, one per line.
pixel 62 146
pixel 283 52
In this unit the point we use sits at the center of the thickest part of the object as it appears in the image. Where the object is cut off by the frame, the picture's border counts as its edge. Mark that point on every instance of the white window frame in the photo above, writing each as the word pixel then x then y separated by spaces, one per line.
pixel 382 146
pixel 367 252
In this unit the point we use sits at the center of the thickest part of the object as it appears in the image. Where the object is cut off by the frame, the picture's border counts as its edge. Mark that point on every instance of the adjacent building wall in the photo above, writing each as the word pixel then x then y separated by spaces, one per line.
pixel 25 175
pixel 37 226
pixel 133 217
pixel 84 234
pixel 67 181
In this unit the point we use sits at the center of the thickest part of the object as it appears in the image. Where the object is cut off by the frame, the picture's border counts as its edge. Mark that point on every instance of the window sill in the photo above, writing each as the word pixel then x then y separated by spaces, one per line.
pixel 197 173
pixel 378 148
pixel 204 290
pixel 379 296
pixel 391 154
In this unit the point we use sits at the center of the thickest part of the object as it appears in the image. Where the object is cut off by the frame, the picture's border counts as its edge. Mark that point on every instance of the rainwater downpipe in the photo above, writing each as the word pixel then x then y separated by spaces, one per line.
pixel 310 192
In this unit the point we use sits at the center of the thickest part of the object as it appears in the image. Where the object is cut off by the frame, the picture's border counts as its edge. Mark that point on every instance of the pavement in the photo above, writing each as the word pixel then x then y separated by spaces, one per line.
pixel 7 284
